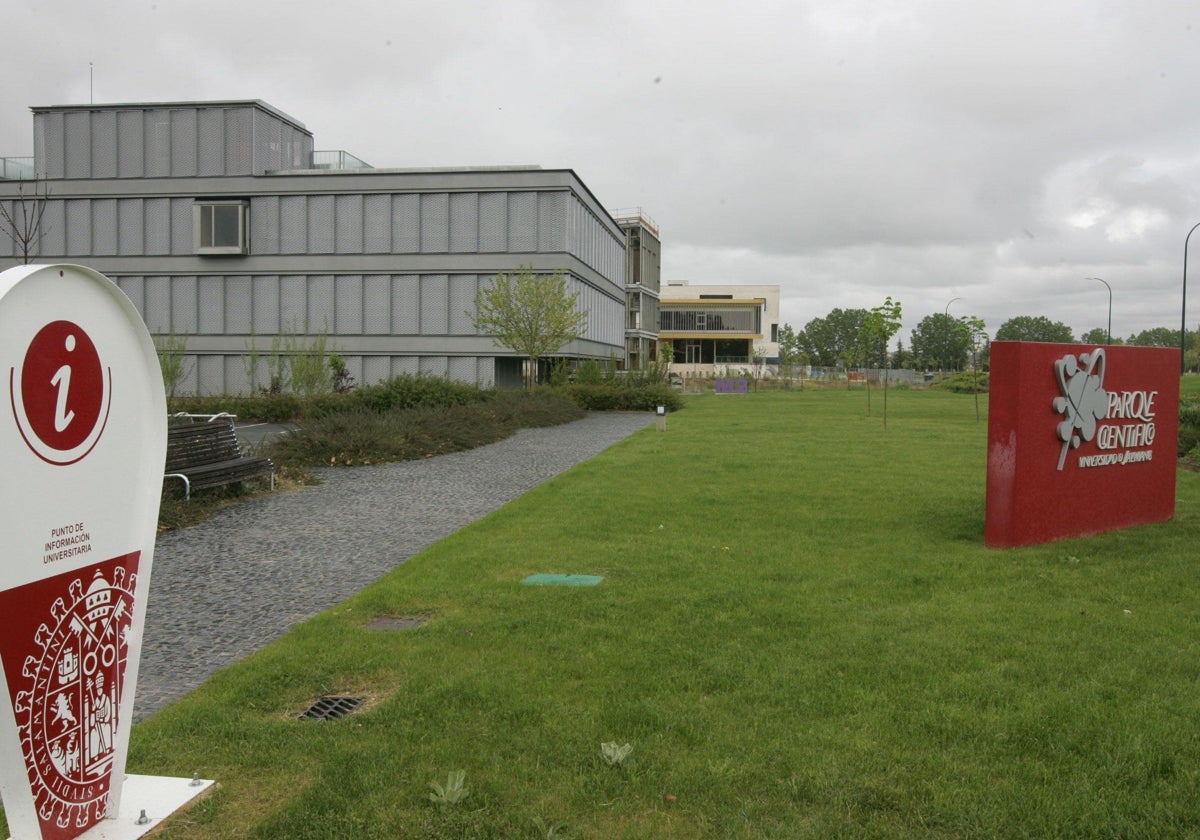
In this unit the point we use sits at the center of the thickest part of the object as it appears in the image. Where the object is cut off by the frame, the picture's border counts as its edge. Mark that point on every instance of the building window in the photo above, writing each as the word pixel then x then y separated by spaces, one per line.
pixel 221 227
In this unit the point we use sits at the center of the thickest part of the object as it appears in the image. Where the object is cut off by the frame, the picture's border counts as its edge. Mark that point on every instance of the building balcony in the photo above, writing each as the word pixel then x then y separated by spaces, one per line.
pixel 338 159
pixel 16 169
pixel 709 318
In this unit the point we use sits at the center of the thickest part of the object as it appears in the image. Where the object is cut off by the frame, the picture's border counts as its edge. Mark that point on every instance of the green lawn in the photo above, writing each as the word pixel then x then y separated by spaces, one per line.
pixel 1189 385
pixel 799 632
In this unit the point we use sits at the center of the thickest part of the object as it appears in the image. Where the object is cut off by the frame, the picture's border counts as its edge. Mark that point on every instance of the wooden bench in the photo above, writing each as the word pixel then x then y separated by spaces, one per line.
pixel 207 454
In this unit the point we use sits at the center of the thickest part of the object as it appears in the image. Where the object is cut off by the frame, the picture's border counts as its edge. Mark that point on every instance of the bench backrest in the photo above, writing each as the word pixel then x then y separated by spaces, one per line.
pixel 189 444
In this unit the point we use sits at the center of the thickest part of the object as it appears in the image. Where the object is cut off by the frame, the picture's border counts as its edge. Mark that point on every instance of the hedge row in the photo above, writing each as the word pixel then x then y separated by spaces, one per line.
pixel 420 391
pixel 609 397
pixel 1189 426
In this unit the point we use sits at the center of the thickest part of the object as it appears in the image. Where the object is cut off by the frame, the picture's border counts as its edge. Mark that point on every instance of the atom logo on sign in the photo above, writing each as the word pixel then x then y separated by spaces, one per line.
pixel 1084 401
pixel 62 394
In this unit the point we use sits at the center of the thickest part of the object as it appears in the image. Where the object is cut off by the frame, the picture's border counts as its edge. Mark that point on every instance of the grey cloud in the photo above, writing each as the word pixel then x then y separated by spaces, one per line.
pixel 992 151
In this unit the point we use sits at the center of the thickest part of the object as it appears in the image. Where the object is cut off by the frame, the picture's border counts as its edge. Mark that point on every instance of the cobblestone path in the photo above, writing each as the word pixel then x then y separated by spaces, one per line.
pixel 223 589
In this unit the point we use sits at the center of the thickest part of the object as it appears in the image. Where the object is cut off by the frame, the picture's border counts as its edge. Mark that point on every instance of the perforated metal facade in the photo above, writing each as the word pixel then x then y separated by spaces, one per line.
pixel 387 262
pixel 167 140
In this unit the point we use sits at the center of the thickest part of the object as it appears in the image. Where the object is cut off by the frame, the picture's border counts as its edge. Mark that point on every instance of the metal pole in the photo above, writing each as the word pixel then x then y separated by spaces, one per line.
pixel 1105 282
pixel 1183 318
pixel 948 315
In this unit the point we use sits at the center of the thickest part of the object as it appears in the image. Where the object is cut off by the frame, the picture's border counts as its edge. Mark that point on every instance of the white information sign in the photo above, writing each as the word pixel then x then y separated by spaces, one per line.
pixel 82 444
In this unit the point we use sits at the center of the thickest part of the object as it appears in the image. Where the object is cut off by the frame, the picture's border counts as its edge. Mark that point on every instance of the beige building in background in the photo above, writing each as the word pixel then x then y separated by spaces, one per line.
pixel 720 329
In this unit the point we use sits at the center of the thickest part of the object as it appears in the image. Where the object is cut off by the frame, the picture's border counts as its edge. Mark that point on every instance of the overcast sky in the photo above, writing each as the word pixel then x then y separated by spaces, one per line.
pixel 993 154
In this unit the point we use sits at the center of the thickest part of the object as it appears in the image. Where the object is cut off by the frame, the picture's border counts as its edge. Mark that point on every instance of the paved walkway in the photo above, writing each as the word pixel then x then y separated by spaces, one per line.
pixel 223 589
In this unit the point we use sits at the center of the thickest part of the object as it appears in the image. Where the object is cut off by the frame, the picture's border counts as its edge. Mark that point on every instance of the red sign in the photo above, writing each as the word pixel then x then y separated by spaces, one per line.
pixel 1081 440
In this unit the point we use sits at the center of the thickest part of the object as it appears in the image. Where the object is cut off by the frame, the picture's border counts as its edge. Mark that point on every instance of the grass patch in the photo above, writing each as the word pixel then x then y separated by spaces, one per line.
pixel 800 633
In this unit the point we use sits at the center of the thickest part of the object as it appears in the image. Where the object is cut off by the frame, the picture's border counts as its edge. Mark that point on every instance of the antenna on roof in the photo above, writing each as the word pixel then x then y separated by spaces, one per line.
pixel 91 85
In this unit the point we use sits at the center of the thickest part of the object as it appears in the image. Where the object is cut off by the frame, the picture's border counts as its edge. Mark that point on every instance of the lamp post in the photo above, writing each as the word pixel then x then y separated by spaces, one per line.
pixel 1183 318
pixel 1105 282
pixel 951 335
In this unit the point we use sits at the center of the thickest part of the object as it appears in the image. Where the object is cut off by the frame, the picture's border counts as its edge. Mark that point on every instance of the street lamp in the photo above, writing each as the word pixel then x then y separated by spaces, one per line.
pixel 1183 318
pixel 1109 305
pixel 947 361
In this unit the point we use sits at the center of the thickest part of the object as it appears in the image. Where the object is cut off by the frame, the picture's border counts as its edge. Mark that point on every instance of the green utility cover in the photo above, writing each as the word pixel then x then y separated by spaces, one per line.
pixel 562 580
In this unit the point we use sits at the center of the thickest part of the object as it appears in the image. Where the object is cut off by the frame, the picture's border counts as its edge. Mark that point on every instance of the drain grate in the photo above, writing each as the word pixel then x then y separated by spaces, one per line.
pixel 332 708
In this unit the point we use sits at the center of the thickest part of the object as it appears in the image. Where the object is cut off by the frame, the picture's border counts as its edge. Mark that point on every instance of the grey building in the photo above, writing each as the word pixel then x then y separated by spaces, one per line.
pixel 642 283
pixel 226 229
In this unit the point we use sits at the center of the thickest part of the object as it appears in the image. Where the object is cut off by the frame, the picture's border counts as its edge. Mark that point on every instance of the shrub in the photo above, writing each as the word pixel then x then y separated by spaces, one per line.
pixel 534 410
pixel 322 405
pixel 1189 430
pixel 270 408
pixel 172 360
pixel 589 373
pixel 963 383
pixel 619 397
pixel 1189 414
pixel 1189 440
pixel 552 404
pixel 343 382
pixel 308 363
pixel 1191 458
pixel 409 391
pixel 361 435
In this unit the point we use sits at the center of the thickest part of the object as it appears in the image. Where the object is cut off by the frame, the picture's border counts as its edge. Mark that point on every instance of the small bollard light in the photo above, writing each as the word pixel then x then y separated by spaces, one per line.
pixel 660 419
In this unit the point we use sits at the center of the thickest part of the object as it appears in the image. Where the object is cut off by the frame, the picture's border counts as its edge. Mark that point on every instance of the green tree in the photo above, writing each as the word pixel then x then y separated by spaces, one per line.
pixel 937 342
pixel 1098 335
pixel 531 314
pixel 308 361
pixel 1157 337
pixel 791 353
pixel 816 341
pixel 789 350
pixel 881 323
pixel 836 337
pixel 1191 356
pixel 1034 328
pixel 172 361
pixel 975 331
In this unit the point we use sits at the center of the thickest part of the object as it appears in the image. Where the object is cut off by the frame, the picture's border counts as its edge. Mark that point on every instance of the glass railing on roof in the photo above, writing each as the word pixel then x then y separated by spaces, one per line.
pixel 16 168
pixel 635 214
pixel 338 159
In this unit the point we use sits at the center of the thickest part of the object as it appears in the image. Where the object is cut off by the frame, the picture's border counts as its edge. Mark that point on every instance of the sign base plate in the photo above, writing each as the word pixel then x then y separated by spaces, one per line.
pixel 159 796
